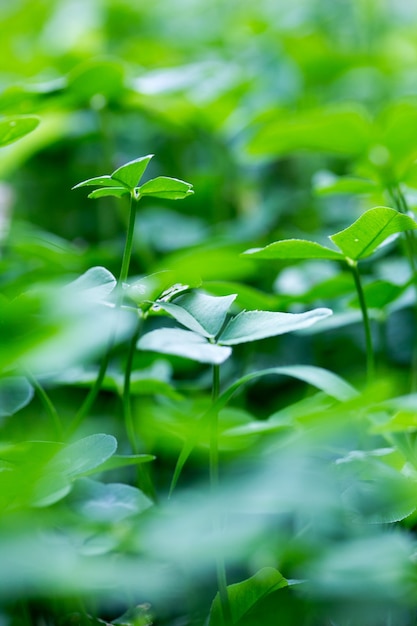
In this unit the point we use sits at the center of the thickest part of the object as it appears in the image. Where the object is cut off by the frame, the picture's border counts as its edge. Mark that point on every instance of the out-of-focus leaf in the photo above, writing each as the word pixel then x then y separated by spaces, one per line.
pixel 96 282
pixel 83 455
pixel 13 128
pixel 15 393
pixel 326 183
pixel 107 502
pixel 243 597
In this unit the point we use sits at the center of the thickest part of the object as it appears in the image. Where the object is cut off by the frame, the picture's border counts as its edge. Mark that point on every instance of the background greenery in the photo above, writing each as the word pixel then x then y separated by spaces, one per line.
pixel 290 119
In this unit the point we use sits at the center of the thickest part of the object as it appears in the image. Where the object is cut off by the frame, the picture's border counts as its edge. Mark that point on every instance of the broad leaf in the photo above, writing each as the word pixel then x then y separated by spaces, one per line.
pixel 184 343
pixel 254 325
pixel 131 173
pixel 246 595
pixel 294 249
pixel 119 460
pixel 103 192
pixel 200 312
pixel 96 283
pixel 322 379
pixel 13 128
pixel 107 502
pixel 84 455
pixel 15 393
pixel 370 230
pixel 165 187
pixel 98 181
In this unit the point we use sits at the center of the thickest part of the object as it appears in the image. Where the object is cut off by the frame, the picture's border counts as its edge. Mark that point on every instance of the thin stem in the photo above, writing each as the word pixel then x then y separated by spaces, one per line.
pixel 214 483
pixel 370 356
pixel 127 408
pixel 47 404
pixel 127 253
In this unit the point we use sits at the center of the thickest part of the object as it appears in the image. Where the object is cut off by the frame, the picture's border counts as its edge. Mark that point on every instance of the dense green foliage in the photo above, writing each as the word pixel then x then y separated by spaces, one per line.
pixel 208 347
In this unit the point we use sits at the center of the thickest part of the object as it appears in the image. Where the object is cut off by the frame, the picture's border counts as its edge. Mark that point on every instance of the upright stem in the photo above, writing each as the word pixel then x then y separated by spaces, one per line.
pixel 48 405
pixel 214 482
pixel 370 356
pixel 127 408
pixel 127 253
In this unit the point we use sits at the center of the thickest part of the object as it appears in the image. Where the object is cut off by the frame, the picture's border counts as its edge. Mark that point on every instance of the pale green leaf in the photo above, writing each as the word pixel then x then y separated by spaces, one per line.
pixel 96 283
pixel 203 313
pixel 131 173
pixel 326 183
pixel 107 502
pixel 254 325
pixel 83 455
pixel 370 230
pixel 15 393
pixel 165 187
pixel 183 343
pixel 294 249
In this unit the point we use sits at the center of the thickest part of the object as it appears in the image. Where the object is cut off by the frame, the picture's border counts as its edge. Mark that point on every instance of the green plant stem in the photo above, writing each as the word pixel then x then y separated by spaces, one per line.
pixel 47 404
pixel 401 205
pixel 370 356
pixel 214 483
pixel 127 253
pixel 127 407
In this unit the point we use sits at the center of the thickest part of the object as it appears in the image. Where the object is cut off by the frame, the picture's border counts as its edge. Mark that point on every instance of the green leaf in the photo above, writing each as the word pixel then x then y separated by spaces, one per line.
pixel 14 128
pixel 98 181
pixel 107 502
pixel 119 460
pixel 103 192
pixel 96 283
pixel 254 325
pixel 83 455
pixel 200 312
pixel 183 343
pixel 322 379
pixel 361 239
pixel 294 249
pixel 15 393
pixel 326 183
pixel 246 595
pixel 337 131
pixel 165 187
pixel 131 173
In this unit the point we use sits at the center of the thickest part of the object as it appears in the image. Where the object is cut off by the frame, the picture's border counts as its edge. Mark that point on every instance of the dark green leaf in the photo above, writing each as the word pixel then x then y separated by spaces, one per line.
pixel 244 596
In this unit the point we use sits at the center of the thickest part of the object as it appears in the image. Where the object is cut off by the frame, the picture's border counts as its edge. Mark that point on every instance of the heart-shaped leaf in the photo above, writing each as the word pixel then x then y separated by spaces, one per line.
pixel 184 343
pixel 96 283
pixel 254 325
pixel 131 173
pixel 370 230
pixel 165 187
pixel 13 128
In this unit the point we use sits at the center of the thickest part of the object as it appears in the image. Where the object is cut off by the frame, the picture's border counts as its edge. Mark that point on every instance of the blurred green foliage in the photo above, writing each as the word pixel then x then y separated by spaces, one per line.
pixel 292 121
